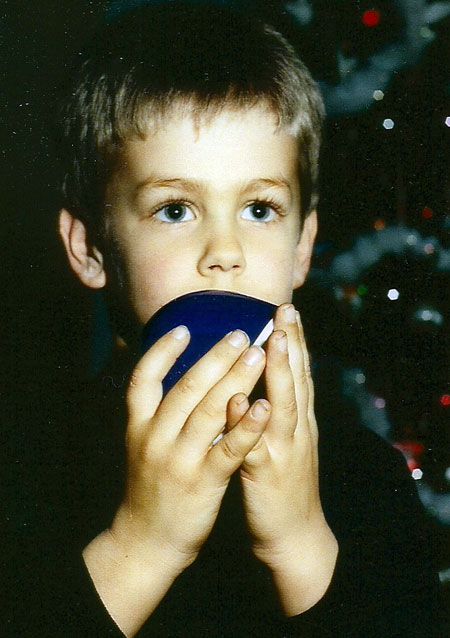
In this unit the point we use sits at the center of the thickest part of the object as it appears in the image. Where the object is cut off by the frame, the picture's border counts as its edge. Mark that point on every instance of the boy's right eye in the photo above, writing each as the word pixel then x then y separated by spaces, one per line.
pixel 175 212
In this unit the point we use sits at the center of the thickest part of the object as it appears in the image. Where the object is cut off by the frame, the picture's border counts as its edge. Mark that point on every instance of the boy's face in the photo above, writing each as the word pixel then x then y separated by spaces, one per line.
pixel 212 206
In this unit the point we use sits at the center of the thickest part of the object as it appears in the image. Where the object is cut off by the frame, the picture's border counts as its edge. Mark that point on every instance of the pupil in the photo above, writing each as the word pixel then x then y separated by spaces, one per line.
pixel 259 211
pixel 175 211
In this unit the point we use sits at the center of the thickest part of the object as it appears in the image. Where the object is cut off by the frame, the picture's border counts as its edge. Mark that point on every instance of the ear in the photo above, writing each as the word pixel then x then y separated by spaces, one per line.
pixel 86 261
pixel 304 249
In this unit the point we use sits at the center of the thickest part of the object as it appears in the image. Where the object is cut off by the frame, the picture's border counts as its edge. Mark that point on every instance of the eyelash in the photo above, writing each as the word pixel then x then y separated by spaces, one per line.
pixel 265 201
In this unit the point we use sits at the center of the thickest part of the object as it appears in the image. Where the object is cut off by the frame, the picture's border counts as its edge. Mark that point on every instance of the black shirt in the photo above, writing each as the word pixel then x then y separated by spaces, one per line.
pixel 384 584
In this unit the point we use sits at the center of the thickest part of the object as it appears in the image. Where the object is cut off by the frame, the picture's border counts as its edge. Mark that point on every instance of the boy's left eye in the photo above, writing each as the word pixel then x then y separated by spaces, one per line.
pixel 259 211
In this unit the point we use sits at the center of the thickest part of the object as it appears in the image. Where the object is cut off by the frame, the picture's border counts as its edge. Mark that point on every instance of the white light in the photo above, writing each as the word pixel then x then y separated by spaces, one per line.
pixel 393 294
pixel 378 95
pixel 447 475
pixel 411 240
pixel 426 315
pixel 360 378
pixel 388 123
pixel 447 121
pixel 417 474
pixel 380 403
pixel 428 249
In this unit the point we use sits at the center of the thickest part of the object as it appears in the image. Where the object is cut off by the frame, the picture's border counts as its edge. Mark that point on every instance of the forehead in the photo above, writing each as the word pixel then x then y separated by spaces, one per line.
pixel 229 147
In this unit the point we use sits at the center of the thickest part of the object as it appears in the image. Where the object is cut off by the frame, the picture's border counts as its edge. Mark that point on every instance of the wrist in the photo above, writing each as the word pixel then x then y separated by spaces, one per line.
pixel 131 572
pixel 302 567
pixel 149 550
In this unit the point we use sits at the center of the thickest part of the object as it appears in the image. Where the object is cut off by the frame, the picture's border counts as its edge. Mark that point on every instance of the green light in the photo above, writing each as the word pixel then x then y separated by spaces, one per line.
pixel 361 290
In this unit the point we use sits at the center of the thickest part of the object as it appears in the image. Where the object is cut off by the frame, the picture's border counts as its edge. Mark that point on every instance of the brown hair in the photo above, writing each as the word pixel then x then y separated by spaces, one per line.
pixel 159 58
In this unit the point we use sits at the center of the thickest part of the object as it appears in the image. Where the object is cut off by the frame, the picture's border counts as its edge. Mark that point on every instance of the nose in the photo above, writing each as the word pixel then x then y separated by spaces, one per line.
pixel 222 252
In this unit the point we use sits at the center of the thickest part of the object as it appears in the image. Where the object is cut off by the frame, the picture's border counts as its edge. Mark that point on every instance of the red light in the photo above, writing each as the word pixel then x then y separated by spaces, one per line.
pixel 427 213
pixel 445 400
pixel 412 464
pixel 411 448
pixel 379 224
pixel 371 17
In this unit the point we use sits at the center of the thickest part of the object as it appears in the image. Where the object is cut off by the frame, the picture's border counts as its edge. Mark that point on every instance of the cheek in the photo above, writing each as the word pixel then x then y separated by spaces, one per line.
pixel 154 278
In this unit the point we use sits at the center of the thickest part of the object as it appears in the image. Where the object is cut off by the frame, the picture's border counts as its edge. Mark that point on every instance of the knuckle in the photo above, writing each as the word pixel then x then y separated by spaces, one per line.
pixel 307 367
pixel 186 384
pixel 209 408
pixel 302 376
pixel 135 378
pixel 229 449
pixel 290 407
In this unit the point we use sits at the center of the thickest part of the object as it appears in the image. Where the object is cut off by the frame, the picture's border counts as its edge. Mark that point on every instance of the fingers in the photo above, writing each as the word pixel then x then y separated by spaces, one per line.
pixel 145 389
pixel 236 408
pixel 288 320
pixel 199 379
pixel 309 382
pixel 231 450
pixel 280 387
pixel 208 418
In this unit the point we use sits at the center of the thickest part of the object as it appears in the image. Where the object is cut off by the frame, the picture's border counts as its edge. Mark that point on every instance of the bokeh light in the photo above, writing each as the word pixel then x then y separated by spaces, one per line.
pixel 393 294
pixel 371 17
pixel 427 212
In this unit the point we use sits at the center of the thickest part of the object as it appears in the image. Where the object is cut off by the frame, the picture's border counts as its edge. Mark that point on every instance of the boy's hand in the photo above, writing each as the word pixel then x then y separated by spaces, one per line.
pixel 280 475
pixel 176 478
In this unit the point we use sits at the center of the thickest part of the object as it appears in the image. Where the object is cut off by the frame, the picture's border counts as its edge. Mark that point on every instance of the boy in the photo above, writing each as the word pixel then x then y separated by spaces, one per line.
pixel 191 149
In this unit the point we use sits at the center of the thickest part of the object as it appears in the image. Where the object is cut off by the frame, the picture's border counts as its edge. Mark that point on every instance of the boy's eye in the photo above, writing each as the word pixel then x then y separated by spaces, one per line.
pixel 175 212
pixel 259 211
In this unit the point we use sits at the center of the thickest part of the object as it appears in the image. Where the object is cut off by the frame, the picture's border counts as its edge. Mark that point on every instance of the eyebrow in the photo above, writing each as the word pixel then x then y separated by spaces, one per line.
pixel 198 187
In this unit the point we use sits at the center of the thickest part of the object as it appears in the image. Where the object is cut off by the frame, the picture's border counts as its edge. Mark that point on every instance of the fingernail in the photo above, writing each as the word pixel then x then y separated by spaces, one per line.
pixel 238 338
pixel 297 318
pixel 240 398
pixel 260 409
pixel 180 332
pixel 289 313
pixel 281 341
pixel 254 355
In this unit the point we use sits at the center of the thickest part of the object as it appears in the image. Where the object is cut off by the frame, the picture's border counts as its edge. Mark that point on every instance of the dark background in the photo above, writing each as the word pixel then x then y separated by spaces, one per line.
pixel 376 183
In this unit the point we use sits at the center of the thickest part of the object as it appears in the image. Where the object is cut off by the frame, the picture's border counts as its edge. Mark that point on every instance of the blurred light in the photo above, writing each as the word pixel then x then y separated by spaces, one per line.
pixel 379 95
pixel 445 400
pixel 417 474
pixel 410 449
pixel 380 403
pixel 371 17
pixel 427 213
pixel 426 33
pixel 360 378
pixel 430 315
pixel 412 464
pixel 411 240
pixel 350 292
pixel 379 224
pixel 393 294
pixel 388 123
pixel 361 290
pixel 428 249
pixel 447 121
pixel 447 474
pixel 444 575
